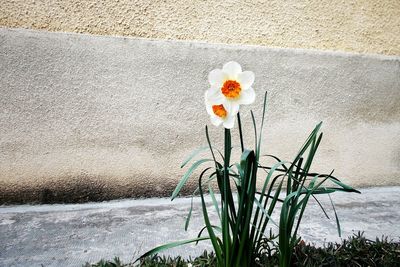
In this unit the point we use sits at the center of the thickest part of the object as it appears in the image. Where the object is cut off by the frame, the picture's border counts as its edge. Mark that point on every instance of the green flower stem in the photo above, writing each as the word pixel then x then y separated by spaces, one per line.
pixel 225 216
pixel 240 131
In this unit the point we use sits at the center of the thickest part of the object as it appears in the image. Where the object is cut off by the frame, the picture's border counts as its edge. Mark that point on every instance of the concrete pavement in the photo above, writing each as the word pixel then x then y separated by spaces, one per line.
pixel 70 235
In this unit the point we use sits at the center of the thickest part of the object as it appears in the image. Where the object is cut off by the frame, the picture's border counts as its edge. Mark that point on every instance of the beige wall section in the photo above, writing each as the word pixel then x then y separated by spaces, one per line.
pixel 86 117
pixel 357 26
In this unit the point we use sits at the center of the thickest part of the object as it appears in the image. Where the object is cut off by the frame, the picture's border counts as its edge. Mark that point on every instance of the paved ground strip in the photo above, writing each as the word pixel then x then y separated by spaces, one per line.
pixel 70 235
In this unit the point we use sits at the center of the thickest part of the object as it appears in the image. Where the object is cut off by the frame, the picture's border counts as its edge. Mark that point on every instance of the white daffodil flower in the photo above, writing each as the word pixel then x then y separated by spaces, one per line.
pixel 219 115
pixel 231 87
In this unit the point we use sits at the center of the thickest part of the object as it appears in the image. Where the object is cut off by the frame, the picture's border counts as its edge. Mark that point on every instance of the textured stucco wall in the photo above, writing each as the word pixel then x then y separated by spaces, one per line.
pixel 366 26
pixel 91 117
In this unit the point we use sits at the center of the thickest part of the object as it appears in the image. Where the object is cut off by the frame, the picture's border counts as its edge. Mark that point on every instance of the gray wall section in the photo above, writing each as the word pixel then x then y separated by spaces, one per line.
pixel 92 117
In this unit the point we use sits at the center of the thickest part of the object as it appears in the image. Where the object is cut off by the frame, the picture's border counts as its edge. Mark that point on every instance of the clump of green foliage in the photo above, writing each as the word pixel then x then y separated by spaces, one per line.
pixel 206 259
pixel 355 251
pixel 245 211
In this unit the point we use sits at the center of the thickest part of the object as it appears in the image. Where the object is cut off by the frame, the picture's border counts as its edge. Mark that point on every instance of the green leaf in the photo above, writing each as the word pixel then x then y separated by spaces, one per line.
pixel 214 200
pixel 211 149
pixel 193 154
pixel 336 217
pixel 255 129
pixel 264 211
pixel 210 231
pixel 262 194
pixel 170 245
pixel 189 215
pixel 184 179
pixel 258 148
pixel 344 186
pixel 205 228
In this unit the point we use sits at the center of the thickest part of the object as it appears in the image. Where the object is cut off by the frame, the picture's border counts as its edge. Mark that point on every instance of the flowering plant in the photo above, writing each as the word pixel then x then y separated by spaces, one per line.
pixel 245 211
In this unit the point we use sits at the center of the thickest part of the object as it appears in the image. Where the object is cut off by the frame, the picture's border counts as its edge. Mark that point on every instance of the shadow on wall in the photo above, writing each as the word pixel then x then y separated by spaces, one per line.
pixel 85 188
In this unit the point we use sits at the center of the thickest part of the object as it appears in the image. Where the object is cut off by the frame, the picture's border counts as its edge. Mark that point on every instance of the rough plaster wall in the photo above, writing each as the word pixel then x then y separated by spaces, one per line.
pixel 365 26
pixel 89 117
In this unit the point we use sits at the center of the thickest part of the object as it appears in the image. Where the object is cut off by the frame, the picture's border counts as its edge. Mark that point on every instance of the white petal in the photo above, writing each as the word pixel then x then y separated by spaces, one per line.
pixel 216 77
pixel 232 69
pixel 235 108
pixel 214 96
pixel 214 90
pixel 215 120
pixel 246 79
pixel 232 108
pixel 229 122
pixel 247 96
pixel 209 108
